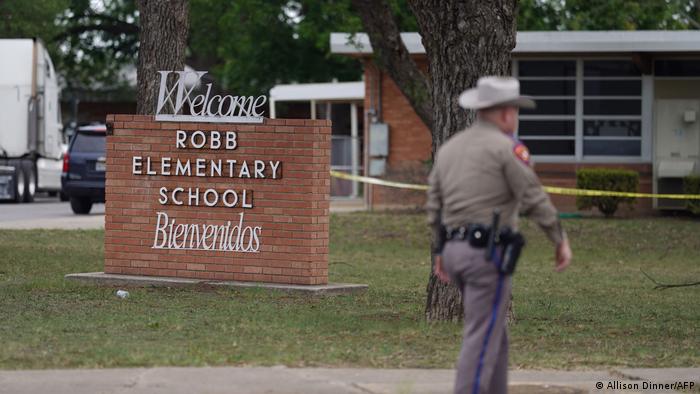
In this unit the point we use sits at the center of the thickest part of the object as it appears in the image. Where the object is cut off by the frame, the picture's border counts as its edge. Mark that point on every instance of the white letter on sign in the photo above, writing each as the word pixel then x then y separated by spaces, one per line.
pixel 161 230
pixel 180 139
pixel 136 165
pixel 263 100
pixel 163 196
pixel 196 134
pixel 215 140
pixel 274 166
pixel 231 140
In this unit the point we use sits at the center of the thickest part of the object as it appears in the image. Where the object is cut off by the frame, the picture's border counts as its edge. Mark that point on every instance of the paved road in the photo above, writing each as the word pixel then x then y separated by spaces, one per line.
pixel 50 213
pixel 281 380
pixel 47 212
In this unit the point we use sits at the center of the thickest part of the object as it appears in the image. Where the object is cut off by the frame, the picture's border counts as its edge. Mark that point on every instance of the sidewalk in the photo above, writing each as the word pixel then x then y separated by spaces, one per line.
pixel 278 380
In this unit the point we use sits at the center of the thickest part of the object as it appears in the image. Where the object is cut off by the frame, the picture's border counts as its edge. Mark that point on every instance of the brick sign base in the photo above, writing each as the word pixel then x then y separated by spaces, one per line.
pixel 285 208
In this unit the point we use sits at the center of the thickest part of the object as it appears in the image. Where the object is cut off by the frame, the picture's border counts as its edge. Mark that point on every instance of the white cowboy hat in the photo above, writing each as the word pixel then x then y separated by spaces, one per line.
pixel 495 92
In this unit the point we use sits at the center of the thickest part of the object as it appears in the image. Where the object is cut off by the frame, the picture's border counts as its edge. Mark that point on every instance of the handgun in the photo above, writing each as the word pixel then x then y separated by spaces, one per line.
pixel 493 236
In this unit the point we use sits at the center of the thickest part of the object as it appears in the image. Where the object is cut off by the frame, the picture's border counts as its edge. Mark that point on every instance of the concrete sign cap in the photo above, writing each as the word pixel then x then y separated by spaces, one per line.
pixel 495 92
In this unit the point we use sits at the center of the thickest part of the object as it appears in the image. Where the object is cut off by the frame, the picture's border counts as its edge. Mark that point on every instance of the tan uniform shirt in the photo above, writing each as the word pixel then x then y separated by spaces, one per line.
pixel 482 169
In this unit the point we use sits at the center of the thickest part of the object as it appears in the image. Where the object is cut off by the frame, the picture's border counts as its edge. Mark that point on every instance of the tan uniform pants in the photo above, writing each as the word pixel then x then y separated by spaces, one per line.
pixel 483 361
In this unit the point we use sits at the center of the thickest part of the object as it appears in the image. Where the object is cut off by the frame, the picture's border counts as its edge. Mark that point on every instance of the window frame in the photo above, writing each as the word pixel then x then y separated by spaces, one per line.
pixel 645 117
pixel 574 78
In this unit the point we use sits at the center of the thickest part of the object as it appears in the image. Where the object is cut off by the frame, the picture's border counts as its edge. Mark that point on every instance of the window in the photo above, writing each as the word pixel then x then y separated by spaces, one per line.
pixel 89 142
pixel 610 68
pixel 547 68
pixel 612 108
pixel 585 108
pixel 677 68
pixel 346 143
pixel 549 129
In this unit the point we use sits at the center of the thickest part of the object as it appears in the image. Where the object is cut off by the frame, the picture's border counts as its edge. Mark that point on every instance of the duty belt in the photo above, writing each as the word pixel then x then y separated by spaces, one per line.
pixel 508 243
pixel 477 234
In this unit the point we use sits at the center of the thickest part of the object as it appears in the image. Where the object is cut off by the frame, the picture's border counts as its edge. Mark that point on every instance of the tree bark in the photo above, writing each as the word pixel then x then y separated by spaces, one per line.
pixel 463 40
pixel 164 25
pixel 391 55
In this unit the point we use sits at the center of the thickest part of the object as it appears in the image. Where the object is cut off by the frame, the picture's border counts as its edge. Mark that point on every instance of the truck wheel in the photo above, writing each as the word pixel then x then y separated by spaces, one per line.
pixel 30 181
pixel 19 182
pixel 80 205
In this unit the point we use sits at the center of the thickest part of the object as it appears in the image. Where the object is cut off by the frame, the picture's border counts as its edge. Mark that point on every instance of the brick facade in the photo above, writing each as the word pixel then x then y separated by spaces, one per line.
pixel 410 152
pixel 292 211
pixel 564 175
pixel 410 143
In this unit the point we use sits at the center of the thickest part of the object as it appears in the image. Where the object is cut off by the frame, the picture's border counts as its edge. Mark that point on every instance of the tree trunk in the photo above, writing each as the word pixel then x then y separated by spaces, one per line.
pixel 463 40
pixel 391 55
pixel 164 26
pixel 444 301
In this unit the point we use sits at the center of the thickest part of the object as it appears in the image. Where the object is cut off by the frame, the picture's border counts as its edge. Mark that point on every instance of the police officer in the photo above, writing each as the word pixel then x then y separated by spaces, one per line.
pixel 479 171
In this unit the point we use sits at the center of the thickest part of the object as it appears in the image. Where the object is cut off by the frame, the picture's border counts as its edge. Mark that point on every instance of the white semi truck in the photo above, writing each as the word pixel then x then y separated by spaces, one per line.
pixel 31 138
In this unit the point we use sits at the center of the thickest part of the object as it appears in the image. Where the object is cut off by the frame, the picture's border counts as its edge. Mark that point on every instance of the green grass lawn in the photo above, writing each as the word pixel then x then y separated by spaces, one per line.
pixel 601 312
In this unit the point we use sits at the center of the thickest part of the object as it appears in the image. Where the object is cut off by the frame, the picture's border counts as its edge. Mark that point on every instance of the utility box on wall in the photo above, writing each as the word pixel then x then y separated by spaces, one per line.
pixel 676 148
pixel 378 148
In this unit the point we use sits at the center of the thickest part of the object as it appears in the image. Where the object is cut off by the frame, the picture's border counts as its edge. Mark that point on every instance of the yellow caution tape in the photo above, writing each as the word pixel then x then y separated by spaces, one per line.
pixel 375 181
pixel 548 189
pixel 600 193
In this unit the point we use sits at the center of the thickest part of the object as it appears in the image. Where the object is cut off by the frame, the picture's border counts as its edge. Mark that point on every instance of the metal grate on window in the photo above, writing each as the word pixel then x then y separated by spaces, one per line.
pixel 612 108
pixel 549 129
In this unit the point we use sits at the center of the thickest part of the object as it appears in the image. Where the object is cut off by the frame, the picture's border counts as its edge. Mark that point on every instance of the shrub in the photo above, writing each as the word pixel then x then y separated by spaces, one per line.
pixel 609 180
pixel 691 185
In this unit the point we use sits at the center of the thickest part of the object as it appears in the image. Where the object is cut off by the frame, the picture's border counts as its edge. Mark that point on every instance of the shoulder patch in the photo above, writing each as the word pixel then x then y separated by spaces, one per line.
pixel 521 152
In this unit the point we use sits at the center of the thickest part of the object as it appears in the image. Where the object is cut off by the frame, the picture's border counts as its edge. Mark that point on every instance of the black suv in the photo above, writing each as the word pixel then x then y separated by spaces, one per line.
pixel 83 178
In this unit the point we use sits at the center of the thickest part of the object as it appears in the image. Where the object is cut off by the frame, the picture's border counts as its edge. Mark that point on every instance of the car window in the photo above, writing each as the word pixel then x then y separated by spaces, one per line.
pixel 88 143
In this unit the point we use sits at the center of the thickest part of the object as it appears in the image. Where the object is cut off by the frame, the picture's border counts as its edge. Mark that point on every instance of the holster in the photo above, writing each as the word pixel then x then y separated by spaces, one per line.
pixel 440 239
pixel 510 244
pixel 504 248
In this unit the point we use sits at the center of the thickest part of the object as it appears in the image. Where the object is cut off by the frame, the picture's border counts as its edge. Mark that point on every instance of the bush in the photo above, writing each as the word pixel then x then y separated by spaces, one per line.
pixel 609 180
pixel 691 185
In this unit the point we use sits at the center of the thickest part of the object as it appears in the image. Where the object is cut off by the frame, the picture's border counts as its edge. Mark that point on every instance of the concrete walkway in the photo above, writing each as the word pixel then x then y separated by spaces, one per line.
pixel 49 213
pixel 278 380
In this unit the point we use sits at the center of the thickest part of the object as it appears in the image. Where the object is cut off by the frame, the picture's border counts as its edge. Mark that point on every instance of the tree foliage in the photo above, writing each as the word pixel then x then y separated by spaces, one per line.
pixel 88 41
pixel 250 45
pixel 97 40
pixel 20 19
pixel 607 14
pixel 253 44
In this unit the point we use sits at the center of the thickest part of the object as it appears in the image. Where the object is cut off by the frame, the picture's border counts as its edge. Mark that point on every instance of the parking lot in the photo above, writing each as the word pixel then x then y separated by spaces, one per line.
pixel 50 213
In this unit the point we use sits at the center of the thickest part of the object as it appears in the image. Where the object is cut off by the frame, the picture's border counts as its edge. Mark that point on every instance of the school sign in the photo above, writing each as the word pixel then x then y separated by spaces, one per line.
pixel 209 189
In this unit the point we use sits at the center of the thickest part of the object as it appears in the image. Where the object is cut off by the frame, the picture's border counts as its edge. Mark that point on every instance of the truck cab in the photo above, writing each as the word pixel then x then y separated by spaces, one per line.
pixel 31 139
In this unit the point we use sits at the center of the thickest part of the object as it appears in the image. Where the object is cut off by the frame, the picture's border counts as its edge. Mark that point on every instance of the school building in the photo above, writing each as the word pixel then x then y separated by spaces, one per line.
pixel 614 99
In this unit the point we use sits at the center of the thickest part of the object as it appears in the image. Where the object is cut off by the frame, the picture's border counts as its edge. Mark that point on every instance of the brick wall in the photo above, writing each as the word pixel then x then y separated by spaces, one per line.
pixel 410 148
pixel 291 211
pixel 550 174
pixel 564 175
pixel 410 143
